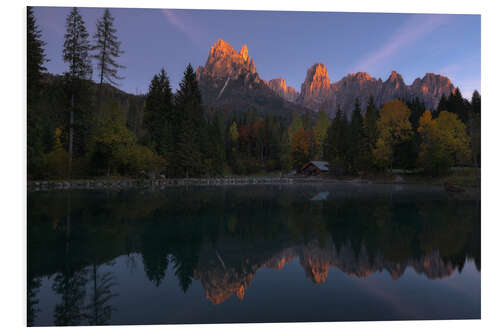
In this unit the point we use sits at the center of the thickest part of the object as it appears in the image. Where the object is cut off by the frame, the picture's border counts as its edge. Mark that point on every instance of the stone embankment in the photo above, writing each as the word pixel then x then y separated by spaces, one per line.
pixel 157 183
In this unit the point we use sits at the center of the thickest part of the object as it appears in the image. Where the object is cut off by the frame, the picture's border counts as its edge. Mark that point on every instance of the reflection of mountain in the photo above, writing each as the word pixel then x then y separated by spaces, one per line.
pixel 222 237
pixel 221 280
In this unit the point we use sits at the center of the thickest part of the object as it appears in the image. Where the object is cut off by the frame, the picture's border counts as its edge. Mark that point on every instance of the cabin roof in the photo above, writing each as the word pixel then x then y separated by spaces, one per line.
pixel 322 165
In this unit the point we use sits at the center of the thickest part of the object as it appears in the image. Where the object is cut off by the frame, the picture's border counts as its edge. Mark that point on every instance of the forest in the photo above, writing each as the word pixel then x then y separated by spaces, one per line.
pixel 80 128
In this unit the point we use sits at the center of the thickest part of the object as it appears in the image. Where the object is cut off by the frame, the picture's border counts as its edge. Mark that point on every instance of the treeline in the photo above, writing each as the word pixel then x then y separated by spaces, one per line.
pixel 403 135
pixel 79 128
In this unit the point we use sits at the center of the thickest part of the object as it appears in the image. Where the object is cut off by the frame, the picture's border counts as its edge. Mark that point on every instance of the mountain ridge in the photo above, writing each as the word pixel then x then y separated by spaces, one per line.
pixel 230 79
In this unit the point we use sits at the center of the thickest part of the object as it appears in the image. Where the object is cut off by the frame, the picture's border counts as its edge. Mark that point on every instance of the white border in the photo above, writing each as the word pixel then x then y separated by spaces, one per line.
pixel 13 139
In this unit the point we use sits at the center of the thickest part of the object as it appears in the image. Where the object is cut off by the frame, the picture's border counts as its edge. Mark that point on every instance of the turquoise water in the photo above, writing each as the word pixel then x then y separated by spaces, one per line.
pixel 245 254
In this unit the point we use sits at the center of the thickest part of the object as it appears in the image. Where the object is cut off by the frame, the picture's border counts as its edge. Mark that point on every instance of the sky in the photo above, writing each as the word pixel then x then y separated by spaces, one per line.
pixel 282 44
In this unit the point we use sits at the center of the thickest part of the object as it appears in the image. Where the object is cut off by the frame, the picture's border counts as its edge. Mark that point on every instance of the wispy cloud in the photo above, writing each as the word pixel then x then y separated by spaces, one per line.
pixel 414 29
pixel 190 32
pixel 450 70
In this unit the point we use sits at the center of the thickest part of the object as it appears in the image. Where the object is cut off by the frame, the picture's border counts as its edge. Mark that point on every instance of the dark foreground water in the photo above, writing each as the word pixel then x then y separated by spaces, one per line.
pixel 252 254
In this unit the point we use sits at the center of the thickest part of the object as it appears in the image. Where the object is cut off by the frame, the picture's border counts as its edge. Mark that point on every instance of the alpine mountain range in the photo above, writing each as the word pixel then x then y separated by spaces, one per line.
pixel 230 80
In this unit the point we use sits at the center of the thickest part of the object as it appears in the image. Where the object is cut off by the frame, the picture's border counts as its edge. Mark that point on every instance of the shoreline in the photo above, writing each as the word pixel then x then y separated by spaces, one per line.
pixel 92 184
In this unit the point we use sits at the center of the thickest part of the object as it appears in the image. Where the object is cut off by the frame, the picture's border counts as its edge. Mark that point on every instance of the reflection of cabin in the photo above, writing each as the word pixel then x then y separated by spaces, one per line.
pixel 314 168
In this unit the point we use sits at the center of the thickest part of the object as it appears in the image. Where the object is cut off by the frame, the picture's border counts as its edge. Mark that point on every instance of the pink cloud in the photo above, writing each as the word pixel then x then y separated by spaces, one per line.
pixel 414 29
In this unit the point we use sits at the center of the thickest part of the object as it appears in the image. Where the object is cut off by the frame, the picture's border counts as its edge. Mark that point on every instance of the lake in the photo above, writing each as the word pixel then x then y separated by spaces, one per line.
pixel 252 253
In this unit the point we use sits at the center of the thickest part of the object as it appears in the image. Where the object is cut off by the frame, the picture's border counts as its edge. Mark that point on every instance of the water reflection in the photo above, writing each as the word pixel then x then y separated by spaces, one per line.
pixel 223 236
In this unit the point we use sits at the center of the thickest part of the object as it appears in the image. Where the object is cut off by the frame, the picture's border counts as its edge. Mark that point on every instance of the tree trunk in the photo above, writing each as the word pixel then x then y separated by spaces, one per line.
pixel 391 165
pixel 70 145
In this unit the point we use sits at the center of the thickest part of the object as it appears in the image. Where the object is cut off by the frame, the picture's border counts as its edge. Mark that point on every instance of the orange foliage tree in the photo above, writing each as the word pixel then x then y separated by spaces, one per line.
pixel 301 147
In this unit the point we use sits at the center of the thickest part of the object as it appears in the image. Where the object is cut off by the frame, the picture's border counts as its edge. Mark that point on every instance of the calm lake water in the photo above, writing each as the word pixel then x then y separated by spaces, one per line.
pixel 245 254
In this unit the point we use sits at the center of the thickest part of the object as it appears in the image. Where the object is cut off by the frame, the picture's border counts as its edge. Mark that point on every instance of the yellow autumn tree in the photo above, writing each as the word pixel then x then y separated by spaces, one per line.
pixel 393 127
pixel 320 131
pixel 444 142
pixel 302 142
pixel 56 162
pixel 112 140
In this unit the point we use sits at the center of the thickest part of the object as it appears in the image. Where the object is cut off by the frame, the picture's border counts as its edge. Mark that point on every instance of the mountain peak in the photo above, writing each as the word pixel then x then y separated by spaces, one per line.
pixel 363 76
pixel 316 86
pixel 318 72
pixel 394 76
pixel 279 86
pixel 244 52
pixel 222 46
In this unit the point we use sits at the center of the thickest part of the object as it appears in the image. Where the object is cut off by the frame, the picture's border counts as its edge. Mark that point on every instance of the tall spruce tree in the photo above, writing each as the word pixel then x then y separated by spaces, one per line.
pixel 191 126
pixel 159 115
pixel 370 123
pixel 35 67
pixel 336 143
pixel 474 127
pixel 107 50
pixel 476 102
pixel 75 53
pixel 357 142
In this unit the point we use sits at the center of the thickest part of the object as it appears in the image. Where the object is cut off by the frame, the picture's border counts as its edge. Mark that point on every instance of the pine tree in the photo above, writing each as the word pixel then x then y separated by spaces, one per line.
pixel 159 116
pixel 474 127
pixel 442 106
pixel 191 126
pixel 75 53
pixel 370 123
pixel 107 49
pixel 35 67
pixel 476 102
pixel 457 105
pixel 35 57
pixel 336 143
pixel 356 146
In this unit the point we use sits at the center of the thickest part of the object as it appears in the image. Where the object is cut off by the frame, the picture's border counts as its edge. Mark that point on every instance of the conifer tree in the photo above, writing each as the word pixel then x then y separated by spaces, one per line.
pixel 159 115
pixel 370 123
pixel 75 53
pixel 191 126
pixel 476 102
pixel 107 50
pixel 336 143
pixel 35 56
pixel 474 127
pixel 442 106
pixel 356 144
pixel 35 67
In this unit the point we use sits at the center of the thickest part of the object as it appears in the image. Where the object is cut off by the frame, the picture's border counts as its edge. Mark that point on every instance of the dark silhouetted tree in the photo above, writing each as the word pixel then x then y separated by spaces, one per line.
pixel 35 67
pixel 191 125
pixel 107 50
pixel 75 53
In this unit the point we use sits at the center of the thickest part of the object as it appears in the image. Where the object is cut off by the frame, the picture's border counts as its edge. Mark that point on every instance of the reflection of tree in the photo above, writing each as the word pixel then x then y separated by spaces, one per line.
pixel 99 311
pixel 70 284
pixel 155 252
pixel 168 227
pixel 33 289
pixel 185 261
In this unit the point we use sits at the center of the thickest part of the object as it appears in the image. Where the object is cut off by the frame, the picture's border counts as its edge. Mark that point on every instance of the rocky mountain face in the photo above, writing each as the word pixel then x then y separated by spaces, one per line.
pixel 230 80
pixel 318 93
pixel 282 90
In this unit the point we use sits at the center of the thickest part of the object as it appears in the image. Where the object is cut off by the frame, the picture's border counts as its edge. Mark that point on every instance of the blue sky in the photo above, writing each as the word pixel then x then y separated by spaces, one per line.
pixel 283 44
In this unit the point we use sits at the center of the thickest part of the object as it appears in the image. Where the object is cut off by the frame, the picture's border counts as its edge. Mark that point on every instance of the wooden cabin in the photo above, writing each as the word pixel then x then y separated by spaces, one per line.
pixel 314 168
